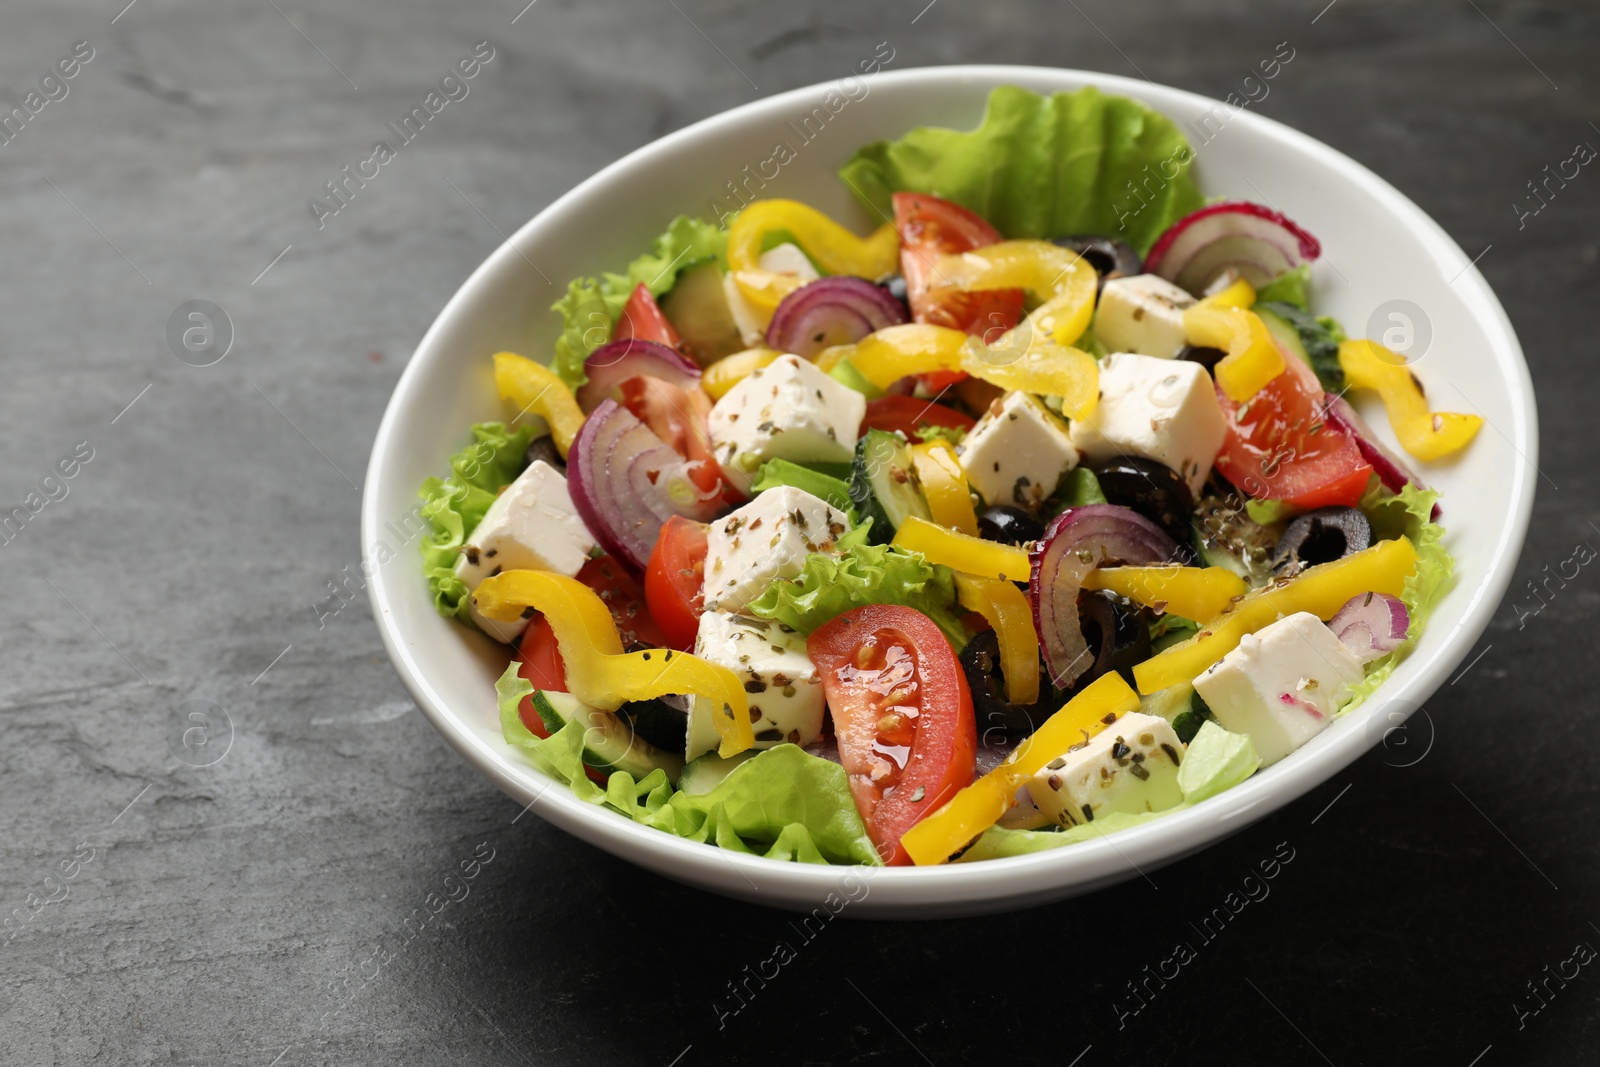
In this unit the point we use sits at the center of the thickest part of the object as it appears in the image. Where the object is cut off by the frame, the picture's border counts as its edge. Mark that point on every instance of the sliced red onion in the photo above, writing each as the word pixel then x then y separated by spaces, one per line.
pixel 1371 625
pixel 1075 543
pixel 616 361
pixel 1256 241
pixel 1390 468
pixel 832 311
pixel 625 482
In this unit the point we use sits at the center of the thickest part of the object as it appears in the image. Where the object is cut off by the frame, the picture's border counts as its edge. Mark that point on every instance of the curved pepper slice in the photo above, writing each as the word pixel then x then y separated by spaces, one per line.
pixel 1240 294
pixel 1321 590
pixel 830 246
pixel 1019 360
pixel 599 672
pixel 944 484
pixel 960 552
pixel 535 388
pixel 729 371
pixel 1007 609
pixel 980 805
pixel 1061 279
pixel 1426 435
pixel 1253 357
pixel 1193 592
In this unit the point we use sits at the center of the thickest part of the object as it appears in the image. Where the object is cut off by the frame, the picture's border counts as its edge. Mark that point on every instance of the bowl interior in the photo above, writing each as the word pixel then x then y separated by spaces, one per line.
pixel 1378 248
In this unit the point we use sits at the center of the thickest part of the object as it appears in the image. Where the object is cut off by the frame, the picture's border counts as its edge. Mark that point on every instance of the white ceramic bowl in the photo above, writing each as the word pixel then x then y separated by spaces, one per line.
pixel 1379 246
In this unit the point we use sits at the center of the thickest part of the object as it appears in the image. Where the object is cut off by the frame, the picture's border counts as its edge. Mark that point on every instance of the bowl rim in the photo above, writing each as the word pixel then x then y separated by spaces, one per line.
pixel 1088 863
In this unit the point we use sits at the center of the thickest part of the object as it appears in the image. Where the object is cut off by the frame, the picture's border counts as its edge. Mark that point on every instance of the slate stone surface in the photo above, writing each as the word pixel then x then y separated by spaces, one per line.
pixel 266 909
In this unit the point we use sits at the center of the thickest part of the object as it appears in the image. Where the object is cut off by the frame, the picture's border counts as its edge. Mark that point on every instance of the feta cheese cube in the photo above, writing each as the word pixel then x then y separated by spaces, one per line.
pixel 1017 452
pixel 1161 409
pixel 786 701
pixel 767 539
pixel 1282 685
pixel 531 525
pixel 1131 766
pixel 786 410
pixel 1142 314
pixel 782 259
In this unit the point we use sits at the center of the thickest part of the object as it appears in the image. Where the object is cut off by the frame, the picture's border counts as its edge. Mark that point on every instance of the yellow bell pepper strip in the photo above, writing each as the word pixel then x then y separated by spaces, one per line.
pixel 1322 590
pixel 1240 294
pixel 1193 592
pixel 1063 281
pixel 830 246
pixel 960 552
pixel 980 805
pixel 599 672
pixel 1007 610
pixel 1426 435
pixel 1019 360
pixel 944 484
pixel 729 371
pixel 1253 357
pixel 535 388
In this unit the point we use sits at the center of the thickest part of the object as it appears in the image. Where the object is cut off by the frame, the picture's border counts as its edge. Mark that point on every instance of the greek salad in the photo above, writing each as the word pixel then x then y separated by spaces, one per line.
pixel 1035 513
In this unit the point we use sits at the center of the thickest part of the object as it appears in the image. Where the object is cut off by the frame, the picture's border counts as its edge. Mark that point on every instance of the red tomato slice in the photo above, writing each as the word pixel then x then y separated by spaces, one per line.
pixel 1279 447
pixel 673 581
pixel 680 417
pixel 902 714
pixel 642 319
pixel 929 228
pixel 908 415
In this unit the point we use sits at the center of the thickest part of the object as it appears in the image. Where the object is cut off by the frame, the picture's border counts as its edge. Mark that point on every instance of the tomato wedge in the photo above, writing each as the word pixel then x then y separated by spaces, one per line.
pixel 902 715
pixel 1279 446
pixel 909 415
pixel 673 581
pixel 680 418
pixel 642 319
pixel 930 227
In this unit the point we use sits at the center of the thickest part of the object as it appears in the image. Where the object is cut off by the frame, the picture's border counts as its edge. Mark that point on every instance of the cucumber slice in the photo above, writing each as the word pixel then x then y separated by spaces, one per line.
pixel 845 373
pixel 608 743
pixel 704 773
pixel 1179 705
pixel 883 484
pixel 698 309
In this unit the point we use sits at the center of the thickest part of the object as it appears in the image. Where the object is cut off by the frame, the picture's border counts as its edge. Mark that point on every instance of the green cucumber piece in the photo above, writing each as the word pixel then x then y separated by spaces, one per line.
pixel 697 307
pixel 845 373
pixel 883 484
pixel 608 743
pixel 704 773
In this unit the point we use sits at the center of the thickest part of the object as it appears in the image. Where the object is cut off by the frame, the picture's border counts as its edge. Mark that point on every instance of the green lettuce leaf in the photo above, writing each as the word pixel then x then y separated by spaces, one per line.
pixel 1408 513
pixel 1214 762
pixel 780 472
pixel 1267 512
pixel 455 504
pixel 591 308
pixel 1044 166
pixel 861 573
pixel 1291 287
pixel 950 435
pixel 783 804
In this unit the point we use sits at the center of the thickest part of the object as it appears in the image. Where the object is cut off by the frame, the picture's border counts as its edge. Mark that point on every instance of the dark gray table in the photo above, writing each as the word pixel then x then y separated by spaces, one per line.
pixel 260 910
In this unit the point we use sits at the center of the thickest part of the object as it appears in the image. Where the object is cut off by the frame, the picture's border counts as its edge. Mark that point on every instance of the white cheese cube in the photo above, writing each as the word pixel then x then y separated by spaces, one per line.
pixel 1161 409
pixel 1131 766
pixel 786 701
pixel 1282 685
pixel 1142 314
pixel 767 539
pixel 786 410
pixel 782 259
pixel 1017 452
pixel 531 525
